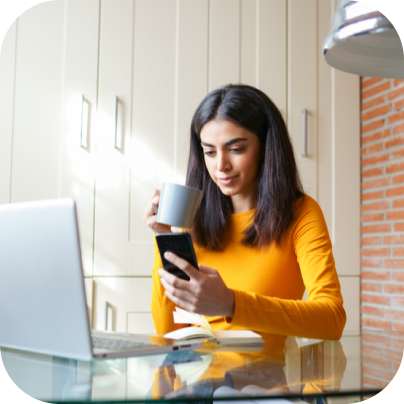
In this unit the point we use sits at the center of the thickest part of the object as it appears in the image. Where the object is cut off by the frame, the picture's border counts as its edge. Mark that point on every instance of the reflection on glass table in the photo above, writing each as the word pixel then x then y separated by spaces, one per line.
pixel 294 369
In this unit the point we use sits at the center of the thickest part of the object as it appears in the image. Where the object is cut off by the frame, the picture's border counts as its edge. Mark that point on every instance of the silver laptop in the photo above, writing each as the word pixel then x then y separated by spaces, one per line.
pixel 42 298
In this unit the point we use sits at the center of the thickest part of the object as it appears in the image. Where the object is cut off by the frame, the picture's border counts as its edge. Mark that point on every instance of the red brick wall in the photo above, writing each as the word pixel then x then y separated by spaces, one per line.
pixel 382 264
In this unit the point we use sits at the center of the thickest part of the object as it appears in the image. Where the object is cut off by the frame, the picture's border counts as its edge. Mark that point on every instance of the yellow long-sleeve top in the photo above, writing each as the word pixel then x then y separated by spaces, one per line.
pixel 269 284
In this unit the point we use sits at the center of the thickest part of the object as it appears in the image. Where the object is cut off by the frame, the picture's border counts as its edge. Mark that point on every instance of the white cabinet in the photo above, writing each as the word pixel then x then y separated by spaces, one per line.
pixel 350 288
pixel 7 70
pixel 122 304
pixel 338 173
pixel 37 103
pixel 329 172
pixel 139 319
pixel 89 286
pixel 302 87
pixel 169 80
pixel 110 299
pixel 140 323
pixel 338 145
pixel 158 59
pixel 77 153
pixel 111 227
pixel 153 110
pixel 247 44
pixel 224 49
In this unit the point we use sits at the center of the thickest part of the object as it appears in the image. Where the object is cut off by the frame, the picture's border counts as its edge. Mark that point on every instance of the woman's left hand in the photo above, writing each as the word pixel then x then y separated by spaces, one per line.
pixel 205 293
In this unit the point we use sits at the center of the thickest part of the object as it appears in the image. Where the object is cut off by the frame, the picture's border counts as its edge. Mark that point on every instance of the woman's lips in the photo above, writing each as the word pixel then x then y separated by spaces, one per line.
pixel 226 180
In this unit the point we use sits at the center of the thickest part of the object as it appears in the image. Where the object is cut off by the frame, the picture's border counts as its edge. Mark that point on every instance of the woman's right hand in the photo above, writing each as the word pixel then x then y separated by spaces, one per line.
pixel 150 214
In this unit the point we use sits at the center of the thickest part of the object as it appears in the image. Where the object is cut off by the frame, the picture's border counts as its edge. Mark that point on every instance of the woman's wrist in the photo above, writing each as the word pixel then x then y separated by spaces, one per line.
pixel 231 303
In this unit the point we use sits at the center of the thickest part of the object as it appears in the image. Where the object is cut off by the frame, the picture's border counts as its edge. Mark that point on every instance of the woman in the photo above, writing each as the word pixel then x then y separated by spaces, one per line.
pixel 259 241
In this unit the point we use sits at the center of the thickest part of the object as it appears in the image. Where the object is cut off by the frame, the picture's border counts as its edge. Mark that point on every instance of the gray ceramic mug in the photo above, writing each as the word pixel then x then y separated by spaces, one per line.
pixel 177 205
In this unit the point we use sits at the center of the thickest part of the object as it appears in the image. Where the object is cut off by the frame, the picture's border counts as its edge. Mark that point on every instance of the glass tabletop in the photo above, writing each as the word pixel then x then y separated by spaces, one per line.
pixel 288 368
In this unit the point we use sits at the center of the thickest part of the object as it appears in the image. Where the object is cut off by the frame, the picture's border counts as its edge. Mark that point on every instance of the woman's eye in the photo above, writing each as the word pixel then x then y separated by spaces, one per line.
pixel 238 149
pixel 209 153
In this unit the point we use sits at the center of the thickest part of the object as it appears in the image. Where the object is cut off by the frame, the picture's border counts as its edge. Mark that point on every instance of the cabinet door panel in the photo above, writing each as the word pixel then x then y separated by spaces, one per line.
pixel 325 120
pixel 139 295
pixel 113 291
pixel 80 77
pixel 346 221
pixel 7 70
pixel 302 91
pixel 88 284
pixel 224 43
pixel 263 56
pixel 112 158
pixel 350 288
pixel 140 323
pixel 37 107
pixel 248 42
pixel 339 155
pixel 153 110
pixel 161 152
pixel 272 45
pixel 140 320
pixel 141 257
pixel 191 74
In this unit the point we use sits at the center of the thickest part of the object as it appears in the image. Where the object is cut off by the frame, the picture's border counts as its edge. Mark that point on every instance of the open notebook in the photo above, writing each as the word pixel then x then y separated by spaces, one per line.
pixel 203 330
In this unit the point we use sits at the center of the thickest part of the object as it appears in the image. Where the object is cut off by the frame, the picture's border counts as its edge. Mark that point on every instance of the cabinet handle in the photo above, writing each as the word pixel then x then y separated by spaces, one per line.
pixel 118 139
pixel 304 112
pixel 84 122
pixel 106 305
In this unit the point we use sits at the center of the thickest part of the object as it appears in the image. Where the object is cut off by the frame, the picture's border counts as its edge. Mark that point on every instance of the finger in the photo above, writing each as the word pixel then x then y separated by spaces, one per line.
pixel 174 281
pixel 155 204
pixel 152 207
pixel 182 295
pixel 185 298
pixel 207 270
pixel 151 210
pixel 151 221
pixel 179 302
pixel 182 264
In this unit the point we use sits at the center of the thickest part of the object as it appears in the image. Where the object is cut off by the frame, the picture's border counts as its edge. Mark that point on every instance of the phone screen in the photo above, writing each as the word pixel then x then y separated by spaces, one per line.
pixel 180 244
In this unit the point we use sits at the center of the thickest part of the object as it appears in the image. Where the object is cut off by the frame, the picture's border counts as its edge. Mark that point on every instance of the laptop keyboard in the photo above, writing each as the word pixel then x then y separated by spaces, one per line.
pixel 114 344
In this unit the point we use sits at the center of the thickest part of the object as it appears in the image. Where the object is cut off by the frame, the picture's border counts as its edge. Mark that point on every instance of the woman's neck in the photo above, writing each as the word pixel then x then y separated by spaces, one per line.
pixel 242 203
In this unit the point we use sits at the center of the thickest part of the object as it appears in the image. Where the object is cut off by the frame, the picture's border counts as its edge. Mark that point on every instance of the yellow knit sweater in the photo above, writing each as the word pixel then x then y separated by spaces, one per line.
pixel 269 283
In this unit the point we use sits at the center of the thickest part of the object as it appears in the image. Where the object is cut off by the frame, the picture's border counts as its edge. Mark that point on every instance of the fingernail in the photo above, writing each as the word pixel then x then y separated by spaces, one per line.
pixel 167 254
pixel 160 271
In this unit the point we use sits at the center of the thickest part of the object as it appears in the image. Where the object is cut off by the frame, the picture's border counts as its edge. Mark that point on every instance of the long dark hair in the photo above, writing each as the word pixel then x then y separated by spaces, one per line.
pixel 279 185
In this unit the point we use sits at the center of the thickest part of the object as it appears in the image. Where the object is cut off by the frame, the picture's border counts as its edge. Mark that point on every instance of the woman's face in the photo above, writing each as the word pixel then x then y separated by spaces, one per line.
pixel 233 158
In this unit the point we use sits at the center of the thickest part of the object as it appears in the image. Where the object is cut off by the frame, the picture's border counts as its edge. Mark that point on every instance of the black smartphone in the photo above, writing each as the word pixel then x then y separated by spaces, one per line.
pixel 180 244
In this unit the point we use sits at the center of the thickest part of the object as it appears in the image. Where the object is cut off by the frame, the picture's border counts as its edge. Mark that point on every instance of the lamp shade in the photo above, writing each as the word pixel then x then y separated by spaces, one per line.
pixel 363 41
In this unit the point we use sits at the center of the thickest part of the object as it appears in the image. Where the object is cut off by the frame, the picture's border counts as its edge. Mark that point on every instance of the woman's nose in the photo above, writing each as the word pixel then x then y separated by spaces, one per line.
pixel 223 163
